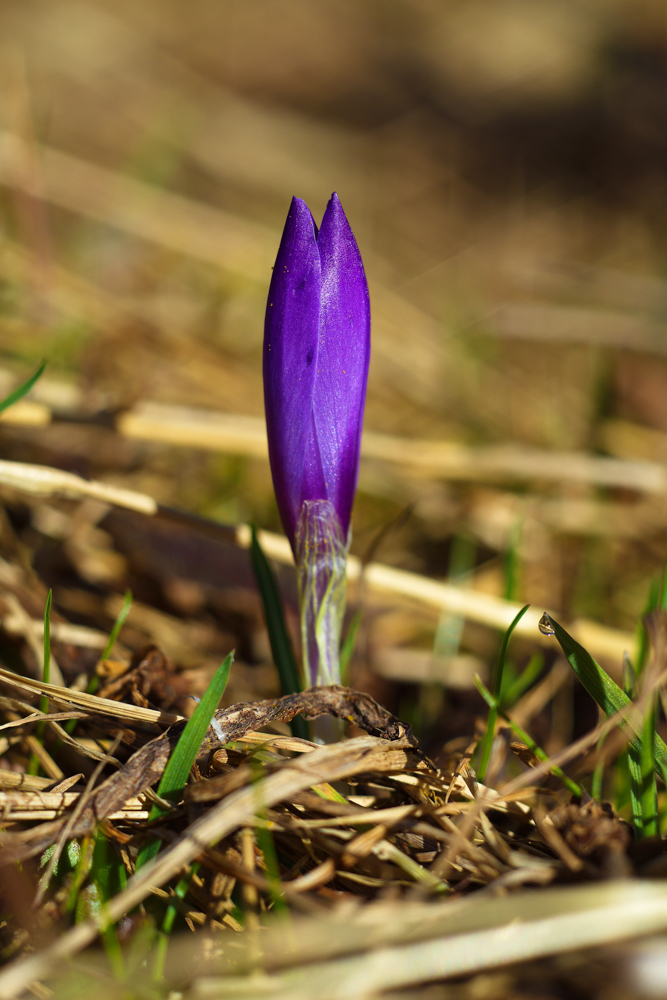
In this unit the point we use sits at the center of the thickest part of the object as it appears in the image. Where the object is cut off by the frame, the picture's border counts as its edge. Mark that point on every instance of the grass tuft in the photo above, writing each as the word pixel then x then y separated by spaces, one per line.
pixel 185 752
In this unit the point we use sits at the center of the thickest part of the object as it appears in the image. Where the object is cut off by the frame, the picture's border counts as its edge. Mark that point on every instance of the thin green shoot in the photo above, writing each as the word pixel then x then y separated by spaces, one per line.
pixel 634 759
pixel 347 647
pixel 267 846
pixel 494 705
pixel 281 644
pixel 107 878
pixel 462 556
pixel 33 764
pixel 140 949
pixel 93 880
pixel 513 563
pixel 180 893
pixel 46 663
pixel 490 731
pixel 649 790
pixel 513 691
pixel 619 792
pixel 327 791
pixel 107 870
pixel 264 840
pixel 117 625
pixel 94 681
pixel 185 753
pixel 23 389
pixel 630 685
pixel 75 903
pixel 656 596
pixel 448 634
pixel 608 695
pixel 662 601
pixel 598 773
pixel 449 631
pixel 633 753
pixel 114 951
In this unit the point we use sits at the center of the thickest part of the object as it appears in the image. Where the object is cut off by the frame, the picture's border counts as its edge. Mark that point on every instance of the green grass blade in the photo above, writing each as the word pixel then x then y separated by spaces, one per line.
pixel 513 691
pixel 633 755
pixel 46 664
pixel 598 773
pixel 630 685
pixel 185 752
pixel 513 563
pixel 264 840
pixel 498 674
pixel 107 871
pixel 606 692
pixel 524 737
pixel 487 740
pixel 643 641
pixel 46 669
pixel 347 647
pixel 94 681
pixel 178 767
pixel 117 625
pixel 22 390
pixel 649 790
pixel 33 763
pixel 281 645
pixel 180 892
pixel 635 778
pixel 107 878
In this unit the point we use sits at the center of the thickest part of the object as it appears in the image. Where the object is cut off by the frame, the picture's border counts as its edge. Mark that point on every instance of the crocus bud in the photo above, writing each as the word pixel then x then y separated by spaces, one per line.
pixel 316 354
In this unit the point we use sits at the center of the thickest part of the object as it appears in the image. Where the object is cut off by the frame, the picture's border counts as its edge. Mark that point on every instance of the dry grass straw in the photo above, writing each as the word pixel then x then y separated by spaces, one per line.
pixel 414 828
pixel 486 609
pixel 239 434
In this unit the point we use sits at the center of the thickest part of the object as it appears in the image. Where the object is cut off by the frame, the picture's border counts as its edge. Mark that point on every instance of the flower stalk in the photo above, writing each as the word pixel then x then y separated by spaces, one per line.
pixel 321 576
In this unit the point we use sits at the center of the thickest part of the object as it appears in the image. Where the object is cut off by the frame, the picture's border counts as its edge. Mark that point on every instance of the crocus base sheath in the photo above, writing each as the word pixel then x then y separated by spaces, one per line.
pixel 321 557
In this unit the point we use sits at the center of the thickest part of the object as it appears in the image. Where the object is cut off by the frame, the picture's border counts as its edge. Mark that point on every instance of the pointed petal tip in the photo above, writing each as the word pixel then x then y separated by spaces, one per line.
pixel 300 217
pixel 299 207
pixel 334 218
pixel 334 203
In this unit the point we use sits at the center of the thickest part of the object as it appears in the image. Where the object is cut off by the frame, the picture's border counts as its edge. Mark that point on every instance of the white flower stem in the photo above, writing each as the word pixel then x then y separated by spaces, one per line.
pixel 321 563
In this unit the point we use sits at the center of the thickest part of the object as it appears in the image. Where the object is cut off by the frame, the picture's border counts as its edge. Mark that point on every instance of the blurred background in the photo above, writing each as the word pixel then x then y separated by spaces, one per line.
pixel 504 168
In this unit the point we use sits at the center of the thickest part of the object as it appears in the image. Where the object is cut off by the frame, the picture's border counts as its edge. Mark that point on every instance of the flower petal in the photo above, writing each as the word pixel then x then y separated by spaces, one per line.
pixel 342 367
pixel 291 358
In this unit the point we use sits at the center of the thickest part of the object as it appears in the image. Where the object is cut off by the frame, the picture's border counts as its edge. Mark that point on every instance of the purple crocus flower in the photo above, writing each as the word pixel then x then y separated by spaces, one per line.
pixel 316 354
